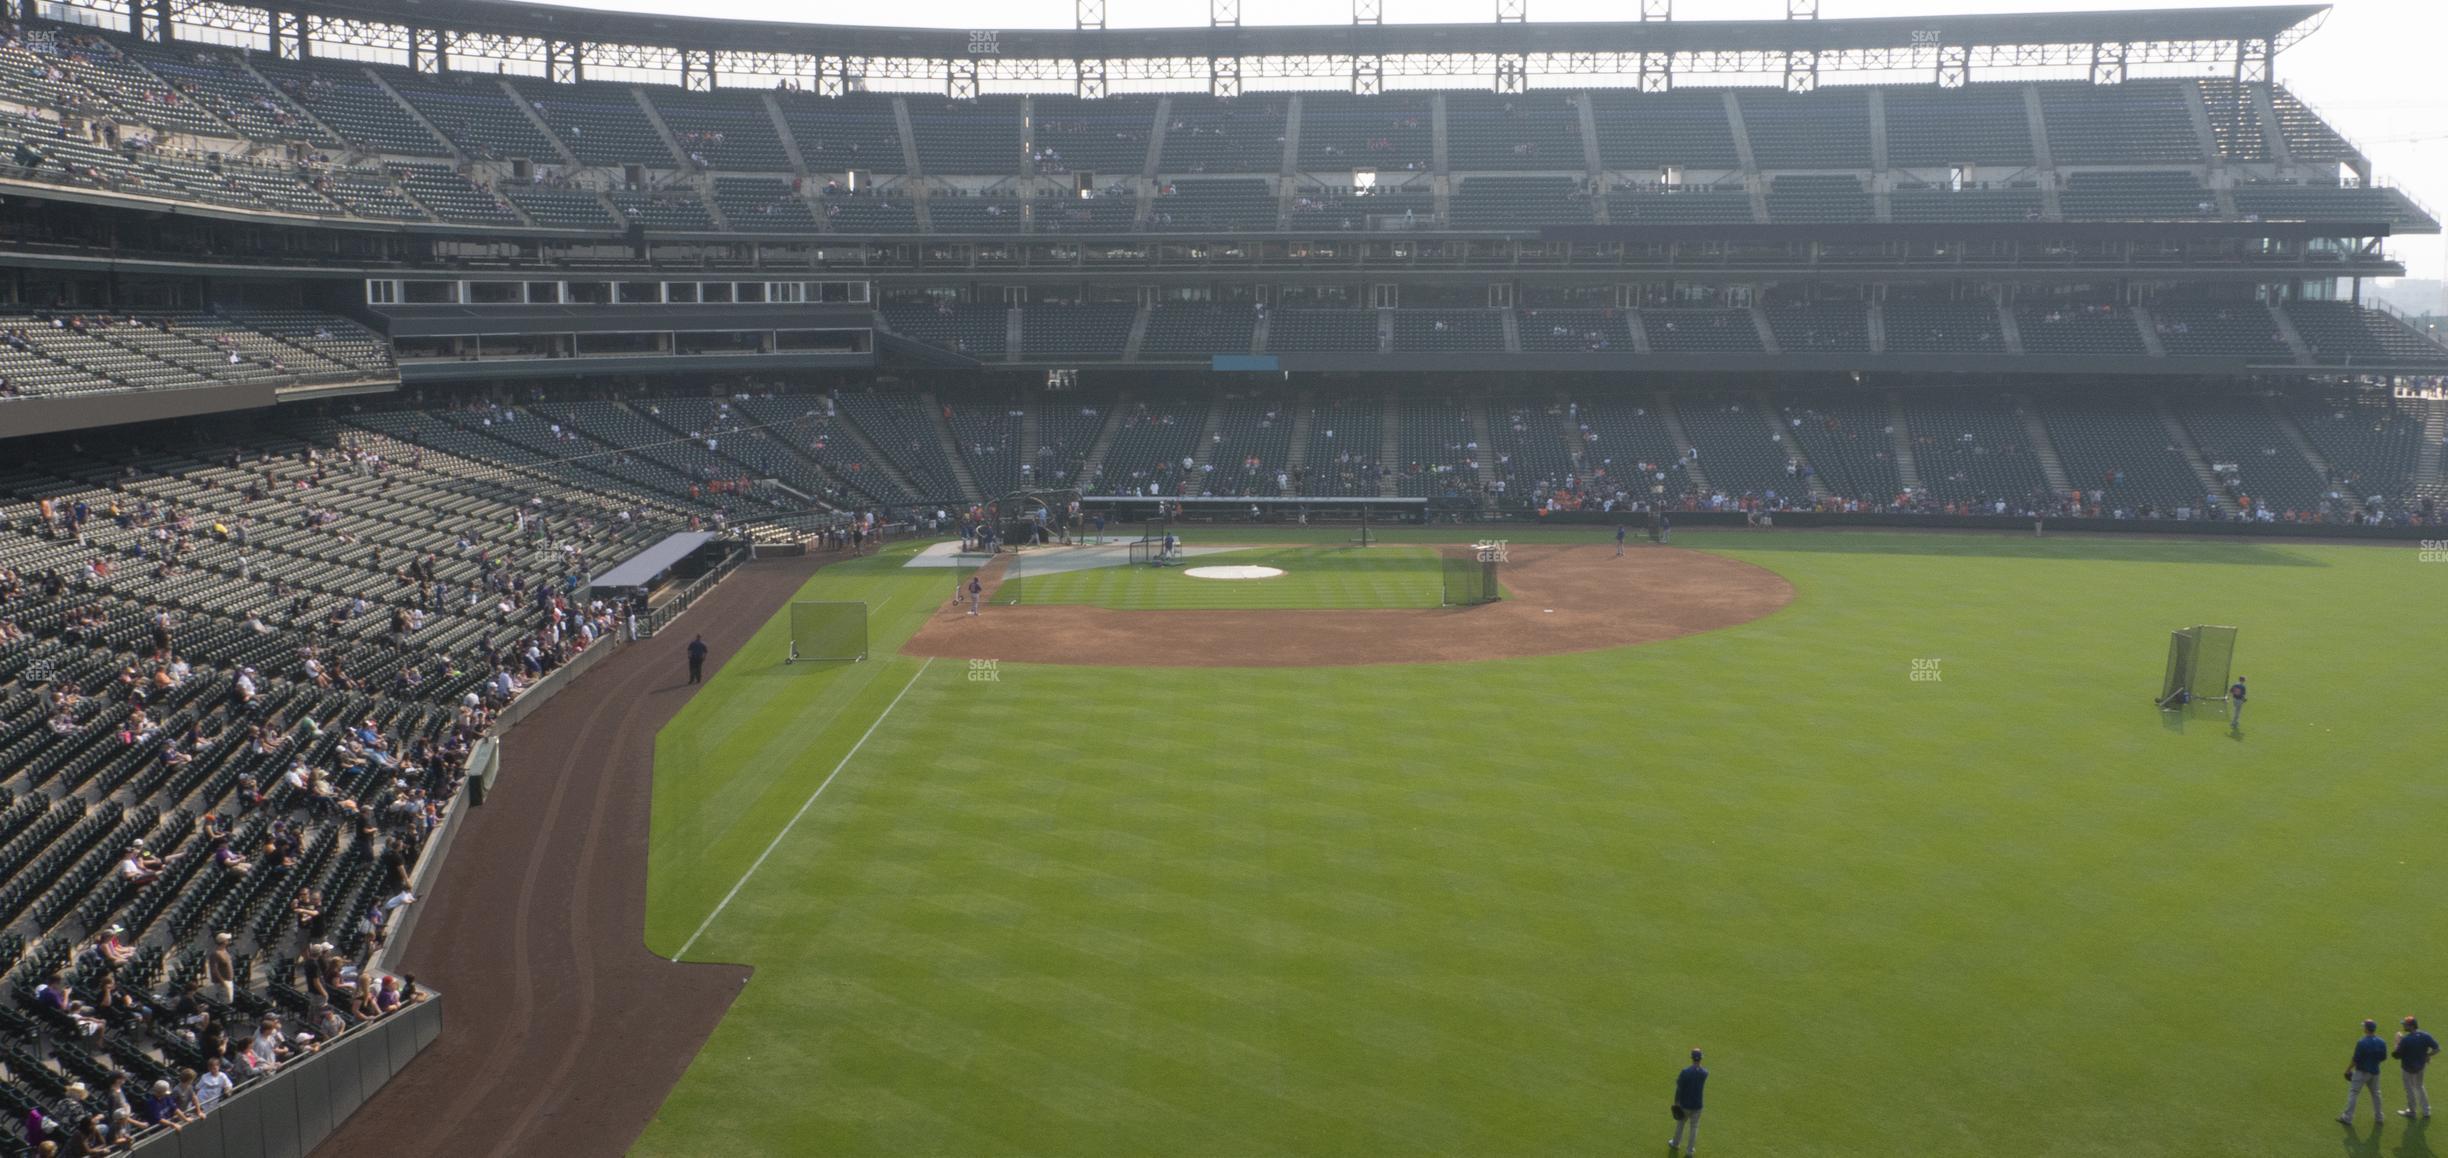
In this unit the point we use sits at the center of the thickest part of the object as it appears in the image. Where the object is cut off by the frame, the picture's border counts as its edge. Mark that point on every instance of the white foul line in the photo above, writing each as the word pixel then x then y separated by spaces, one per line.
pixel 794 820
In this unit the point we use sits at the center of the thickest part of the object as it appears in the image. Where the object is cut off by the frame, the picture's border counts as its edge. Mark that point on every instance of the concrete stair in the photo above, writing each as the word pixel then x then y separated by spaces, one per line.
pixel 1093 463
pixel 663 131
pixel 1908 471
pixel 414 115
pixel 951 448
pixel 2149 329
pixel 1303 416
pixel 2182 439
pixel 2295 437
pixel 1485 456
pixel 561 150
pixel 877 460
pixel 2044 449
pixel 2427 478
pixel 2286 329
pixel 1693 468
pixel 1030 442
pixel 782 131
pixel 1389 447
pixel 1783 434
pixel 1767 333
pixel 1205 457
pixel 1138 334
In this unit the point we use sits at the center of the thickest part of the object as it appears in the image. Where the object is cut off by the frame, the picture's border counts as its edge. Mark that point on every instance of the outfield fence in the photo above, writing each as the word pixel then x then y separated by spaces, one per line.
pixel 293 1111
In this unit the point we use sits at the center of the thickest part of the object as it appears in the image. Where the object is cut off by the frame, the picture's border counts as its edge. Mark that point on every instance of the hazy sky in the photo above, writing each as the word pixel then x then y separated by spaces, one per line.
pixel 2372 69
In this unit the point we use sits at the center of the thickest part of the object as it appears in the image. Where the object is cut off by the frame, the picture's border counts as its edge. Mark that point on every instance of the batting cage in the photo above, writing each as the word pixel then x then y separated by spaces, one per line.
pixel 822 632
pixel 1162 549
pixel 1470 574
pixel 2198 661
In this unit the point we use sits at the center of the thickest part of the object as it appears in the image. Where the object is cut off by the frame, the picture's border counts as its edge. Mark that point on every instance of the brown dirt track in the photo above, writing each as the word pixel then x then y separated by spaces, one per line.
pixel 1559 599
pixel 562 1034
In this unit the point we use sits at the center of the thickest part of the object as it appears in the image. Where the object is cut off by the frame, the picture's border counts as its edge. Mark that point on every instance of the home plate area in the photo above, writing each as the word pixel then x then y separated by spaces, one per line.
pixel 1236 571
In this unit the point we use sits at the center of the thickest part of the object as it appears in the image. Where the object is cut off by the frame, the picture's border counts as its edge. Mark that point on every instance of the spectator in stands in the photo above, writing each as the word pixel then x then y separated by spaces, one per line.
pixel 228 858
pixel 270 1047
pixel 184 1094
pixel 160 1107
pixel 95 1137
pixel 111 948
pixel 122 1109
pixel 212 1085
pixel 53 994
pixel 221 969
pixel 307 911
pixel 140 867
pixel 116 1005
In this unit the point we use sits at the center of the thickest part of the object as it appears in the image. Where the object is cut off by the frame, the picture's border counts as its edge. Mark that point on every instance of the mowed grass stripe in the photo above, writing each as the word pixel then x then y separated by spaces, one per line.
pixel 1482 909
pixel 735 763
pixel 1314 578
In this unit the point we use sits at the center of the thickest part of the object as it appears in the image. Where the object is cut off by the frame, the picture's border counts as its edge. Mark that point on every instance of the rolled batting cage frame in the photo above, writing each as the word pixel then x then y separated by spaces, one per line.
pixel 824 632
pixel 2198 662
pixel 1470 576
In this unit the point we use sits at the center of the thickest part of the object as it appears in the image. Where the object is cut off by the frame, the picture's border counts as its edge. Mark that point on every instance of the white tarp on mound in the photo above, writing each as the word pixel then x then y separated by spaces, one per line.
pixel 1235 571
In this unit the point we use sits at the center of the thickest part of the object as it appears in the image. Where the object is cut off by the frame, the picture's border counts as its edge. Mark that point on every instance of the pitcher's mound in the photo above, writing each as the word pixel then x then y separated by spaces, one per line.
pixel 1237 571
pixel 1557 599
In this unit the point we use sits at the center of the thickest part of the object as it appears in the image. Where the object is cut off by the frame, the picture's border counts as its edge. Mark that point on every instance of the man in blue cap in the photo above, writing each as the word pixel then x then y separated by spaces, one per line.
pixel 2415 1049
pixel 2363 1072
pixel 1688 1085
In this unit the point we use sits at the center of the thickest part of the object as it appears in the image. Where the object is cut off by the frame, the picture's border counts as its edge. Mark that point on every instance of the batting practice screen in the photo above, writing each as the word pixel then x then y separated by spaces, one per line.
pixel 828 631
pixel 1470 577
pixel 2199 660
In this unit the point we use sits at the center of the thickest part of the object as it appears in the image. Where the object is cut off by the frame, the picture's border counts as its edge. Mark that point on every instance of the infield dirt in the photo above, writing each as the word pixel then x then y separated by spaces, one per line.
pixel 1558 599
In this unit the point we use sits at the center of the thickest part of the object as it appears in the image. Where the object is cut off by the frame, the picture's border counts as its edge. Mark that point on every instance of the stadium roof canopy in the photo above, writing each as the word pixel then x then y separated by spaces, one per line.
pixel 543 20
pixel 701 52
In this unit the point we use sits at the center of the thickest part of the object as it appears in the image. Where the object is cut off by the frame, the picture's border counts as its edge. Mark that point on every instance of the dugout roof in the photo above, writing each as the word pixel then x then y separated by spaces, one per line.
pixel 645 566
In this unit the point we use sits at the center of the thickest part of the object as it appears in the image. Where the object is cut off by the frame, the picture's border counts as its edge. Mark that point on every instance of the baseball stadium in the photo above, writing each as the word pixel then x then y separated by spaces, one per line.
pixel 687 580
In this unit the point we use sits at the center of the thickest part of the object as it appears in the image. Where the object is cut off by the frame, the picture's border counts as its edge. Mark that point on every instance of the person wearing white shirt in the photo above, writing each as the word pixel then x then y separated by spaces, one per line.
pixel 212 1086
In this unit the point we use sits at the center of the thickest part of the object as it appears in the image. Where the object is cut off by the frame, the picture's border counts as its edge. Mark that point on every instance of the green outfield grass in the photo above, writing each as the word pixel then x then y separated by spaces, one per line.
pixel 1333 577
pixel 1483 909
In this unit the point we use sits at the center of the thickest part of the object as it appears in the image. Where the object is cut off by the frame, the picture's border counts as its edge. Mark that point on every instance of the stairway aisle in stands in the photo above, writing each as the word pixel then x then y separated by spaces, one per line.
pixel 2043 448
pixel 1481 437
pixel 1092 467
pixel 961 474
pixel 1693 468
pixel 1781 432
pixel 2212 492
pixel 1390 464
pixel 2428 478
pixel 1908 471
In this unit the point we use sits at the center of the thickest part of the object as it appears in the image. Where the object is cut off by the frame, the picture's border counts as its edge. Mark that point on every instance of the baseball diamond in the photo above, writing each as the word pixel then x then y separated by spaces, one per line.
pixel 685 581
